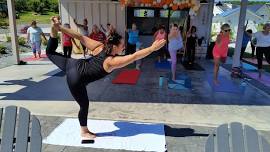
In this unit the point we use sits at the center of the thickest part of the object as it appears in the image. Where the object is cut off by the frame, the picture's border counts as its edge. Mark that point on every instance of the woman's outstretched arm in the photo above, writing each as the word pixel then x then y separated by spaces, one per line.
pixel 113 63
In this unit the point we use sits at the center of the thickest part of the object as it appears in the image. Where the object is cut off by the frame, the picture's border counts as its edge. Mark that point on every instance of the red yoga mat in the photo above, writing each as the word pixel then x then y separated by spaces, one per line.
pixel 34 59
pixel 127 77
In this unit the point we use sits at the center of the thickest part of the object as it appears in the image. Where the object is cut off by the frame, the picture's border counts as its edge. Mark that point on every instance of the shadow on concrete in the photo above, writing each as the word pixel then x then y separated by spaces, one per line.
pixel 182 132
pixel 126 129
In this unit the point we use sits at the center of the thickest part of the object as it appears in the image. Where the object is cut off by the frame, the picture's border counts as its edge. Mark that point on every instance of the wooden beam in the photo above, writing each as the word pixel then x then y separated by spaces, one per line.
pixel 210 20
pixel 13 31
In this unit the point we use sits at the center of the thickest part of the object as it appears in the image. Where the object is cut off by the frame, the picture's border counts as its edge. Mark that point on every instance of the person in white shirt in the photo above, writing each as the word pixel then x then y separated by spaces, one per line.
pixel 262 46
pixel 34 34
pixel 175 44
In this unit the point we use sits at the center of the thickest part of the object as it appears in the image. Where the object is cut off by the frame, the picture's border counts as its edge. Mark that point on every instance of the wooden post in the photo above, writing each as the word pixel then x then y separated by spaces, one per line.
pixel 209 20
pixel 13 31
pixel 240 31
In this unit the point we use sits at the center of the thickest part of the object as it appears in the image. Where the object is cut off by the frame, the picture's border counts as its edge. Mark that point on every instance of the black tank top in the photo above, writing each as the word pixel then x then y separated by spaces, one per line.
pixel 191 41
pixel 92 69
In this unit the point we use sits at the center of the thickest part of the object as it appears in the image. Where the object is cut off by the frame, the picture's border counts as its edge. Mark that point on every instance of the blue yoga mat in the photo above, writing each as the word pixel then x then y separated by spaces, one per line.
pixel 249 67
pixel 178 85
pixel 182 81
pixel 179 76
pixel 163 65
pixel 225 85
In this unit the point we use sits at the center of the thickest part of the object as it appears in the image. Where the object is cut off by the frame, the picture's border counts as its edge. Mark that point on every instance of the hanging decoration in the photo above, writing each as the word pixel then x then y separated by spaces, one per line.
pixel 173 4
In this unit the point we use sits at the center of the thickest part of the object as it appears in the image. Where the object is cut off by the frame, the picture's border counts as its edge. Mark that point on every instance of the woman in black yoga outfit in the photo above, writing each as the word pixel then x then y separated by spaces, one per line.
pixel 80 72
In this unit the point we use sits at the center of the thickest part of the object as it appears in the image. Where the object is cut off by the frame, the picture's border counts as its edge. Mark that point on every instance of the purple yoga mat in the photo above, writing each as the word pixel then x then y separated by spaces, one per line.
pixel 225 85
pixel 254 61
pixel 264 79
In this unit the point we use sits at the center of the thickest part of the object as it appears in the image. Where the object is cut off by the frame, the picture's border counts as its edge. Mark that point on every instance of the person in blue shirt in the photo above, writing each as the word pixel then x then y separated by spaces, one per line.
pixel 133 38
pixel 34 34
pixel 246 39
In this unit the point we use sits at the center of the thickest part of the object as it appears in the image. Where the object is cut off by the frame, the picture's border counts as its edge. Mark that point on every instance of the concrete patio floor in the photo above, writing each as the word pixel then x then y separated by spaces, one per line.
pixel 33 86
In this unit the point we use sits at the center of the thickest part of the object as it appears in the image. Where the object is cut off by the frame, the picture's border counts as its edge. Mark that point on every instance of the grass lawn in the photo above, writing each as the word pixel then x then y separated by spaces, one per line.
pixel 27 17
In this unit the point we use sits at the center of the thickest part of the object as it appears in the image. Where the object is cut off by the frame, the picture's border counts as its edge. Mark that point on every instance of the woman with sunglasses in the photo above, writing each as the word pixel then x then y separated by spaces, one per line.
pixel 81 72
pixel 220 50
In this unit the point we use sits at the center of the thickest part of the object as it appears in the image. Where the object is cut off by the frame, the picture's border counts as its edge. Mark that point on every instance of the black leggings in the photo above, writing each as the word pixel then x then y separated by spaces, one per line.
pixel 74 78
pixel 191 53
pixel 243 49
pixel 253 48
pixel 67 51
pixel 260 51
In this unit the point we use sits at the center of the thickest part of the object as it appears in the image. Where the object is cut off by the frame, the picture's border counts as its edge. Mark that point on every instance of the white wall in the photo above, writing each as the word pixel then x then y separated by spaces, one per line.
pixel 104 11
pixel 202 21
pixel 96 11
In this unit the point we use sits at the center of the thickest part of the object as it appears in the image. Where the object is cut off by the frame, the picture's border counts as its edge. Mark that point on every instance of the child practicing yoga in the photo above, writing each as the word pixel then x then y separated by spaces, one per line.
pixel 221 49
pixel 81 72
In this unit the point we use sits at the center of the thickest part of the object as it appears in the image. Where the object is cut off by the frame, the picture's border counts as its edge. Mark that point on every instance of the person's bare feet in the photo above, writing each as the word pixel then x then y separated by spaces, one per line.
pixel 55 21
pixel 88 136
pixel 216 82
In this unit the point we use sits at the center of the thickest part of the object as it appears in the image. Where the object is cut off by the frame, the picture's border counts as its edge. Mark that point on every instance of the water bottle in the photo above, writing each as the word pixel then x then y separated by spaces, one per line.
pixel 161 78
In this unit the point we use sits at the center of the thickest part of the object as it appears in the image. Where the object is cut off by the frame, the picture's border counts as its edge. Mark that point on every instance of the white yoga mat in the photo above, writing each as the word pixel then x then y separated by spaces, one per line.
pixel 111 135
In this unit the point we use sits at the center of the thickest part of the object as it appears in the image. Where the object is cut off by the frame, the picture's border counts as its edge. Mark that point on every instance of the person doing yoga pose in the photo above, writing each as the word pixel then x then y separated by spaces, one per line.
pixel 81 72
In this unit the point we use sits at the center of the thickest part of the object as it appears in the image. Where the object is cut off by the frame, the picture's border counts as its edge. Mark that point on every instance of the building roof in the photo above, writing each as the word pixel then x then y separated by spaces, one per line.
pixel 223 8
pixel 229 12
pixel 251 8
pixel 232 11
pixel 255 8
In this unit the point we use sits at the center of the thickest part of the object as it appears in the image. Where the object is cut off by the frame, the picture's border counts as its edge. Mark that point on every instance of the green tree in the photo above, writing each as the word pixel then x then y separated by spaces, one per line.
pixel 36 5
pixel 21 5
pixel 54 6
pixel 42 6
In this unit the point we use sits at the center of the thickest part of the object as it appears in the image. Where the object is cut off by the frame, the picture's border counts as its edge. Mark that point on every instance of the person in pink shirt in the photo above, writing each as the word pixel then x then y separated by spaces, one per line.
pixel 159 35
pixel 220 49
pixel 67 43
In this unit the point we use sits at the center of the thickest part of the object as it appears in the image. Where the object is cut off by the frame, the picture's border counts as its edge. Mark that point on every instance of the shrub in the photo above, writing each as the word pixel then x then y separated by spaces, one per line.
pixel 36 6
pixel 8 38
pixel 21 5
pixel 2 49
pixel 4 24
pixel 22 40
pixel 54 6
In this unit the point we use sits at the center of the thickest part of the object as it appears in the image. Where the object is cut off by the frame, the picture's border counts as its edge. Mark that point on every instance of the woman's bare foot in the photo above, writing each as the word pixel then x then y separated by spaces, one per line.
pixel 55 21
pixel 86 134
pixel 216 82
